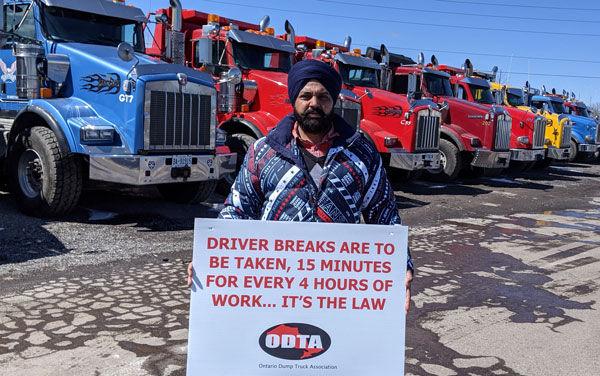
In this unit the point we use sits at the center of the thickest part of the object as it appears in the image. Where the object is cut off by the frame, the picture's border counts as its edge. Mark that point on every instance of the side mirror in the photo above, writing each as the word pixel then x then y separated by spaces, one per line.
pixel 498 98
pixel 58 67
pixel 412 85
pixel 545 107
pixel 234 75
pixel 203 51
pixel 125 51
pixel 368 93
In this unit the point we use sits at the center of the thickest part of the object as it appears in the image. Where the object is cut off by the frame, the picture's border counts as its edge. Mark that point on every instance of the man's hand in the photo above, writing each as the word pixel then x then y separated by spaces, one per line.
pixel 407 283
pixel 190 272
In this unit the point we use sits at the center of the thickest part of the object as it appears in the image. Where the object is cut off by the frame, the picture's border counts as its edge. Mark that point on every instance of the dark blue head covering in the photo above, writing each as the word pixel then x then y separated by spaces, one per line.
pixel 306 70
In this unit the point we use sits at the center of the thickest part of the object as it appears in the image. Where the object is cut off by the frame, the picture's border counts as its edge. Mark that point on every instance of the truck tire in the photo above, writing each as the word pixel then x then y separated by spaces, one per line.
pixel 451 163
pixel 46 181
pixel 238 143
pixel 188 193
pixel 573 151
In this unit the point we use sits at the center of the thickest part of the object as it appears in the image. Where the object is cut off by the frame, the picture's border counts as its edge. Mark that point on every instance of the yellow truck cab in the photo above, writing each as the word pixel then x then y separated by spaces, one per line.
pixel 558 126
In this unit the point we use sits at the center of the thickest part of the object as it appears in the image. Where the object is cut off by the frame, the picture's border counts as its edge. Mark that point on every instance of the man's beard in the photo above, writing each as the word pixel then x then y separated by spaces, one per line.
pixel 320 125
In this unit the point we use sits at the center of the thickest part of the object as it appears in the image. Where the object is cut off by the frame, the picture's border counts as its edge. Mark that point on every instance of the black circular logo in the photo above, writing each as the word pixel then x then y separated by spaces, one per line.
pixel 294 341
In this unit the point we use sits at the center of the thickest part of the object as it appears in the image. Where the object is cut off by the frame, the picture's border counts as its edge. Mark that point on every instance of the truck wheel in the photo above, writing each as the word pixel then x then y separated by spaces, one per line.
pixel 573 151
pixel 451 163
pixel 45 181
pixel 238 143
pixel 188 193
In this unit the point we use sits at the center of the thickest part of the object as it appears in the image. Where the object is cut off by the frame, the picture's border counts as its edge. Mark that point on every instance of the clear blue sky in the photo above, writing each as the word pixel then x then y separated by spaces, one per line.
pixel 548 42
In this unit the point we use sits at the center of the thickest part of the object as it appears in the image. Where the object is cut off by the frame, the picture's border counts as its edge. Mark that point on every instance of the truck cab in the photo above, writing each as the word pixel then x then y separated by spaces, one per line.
pixel 528 130
pixel 249 68
pixel 557 129
pixel 406 134
pixel 576 107
pixel 583 141
pixel 472 135
pixel 80 101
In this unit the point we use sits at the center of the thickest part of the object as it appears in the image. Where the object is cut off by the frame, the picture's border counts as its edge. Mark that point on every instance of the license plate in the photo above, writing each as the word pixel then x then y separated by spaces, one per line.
pixel 182 161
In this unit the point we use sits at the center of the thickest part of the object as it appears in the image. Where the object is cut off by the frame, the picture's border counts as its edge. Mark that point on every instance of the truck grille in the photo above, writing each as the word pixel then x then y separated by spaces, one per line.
pixel 597 133
pixel 350 111
pixel 178 121
pixel 428 131
pixel 539 132
pixel 503 129
pixel 565 141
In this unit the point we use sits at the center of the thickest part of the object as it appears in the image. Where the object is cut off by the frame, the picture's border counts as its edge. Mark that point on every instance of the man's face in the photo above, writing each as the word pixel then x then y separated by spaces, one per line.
pixel 313 108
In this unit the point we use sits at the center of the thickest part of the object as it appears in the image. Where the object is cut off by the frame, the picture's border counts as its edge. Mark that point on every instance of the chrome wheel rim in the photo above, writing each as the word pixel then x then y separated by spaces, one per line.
pixel 30 173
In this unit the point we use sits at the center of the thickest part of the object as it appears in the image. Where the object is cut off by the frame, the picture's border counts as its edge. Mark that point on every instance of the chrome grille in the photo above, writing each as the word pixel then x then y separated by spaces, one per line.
pixel 428 131
pixel 177 120
pixel 503 129
pixel 539 132
pixel 565 141
pixel 597 133
pixel 350 111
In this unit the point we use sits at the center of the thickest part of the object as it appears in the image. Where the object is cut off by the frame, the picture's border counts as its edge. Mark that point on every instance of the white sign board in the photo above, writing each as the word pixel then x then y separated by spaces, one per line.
pixel 291 298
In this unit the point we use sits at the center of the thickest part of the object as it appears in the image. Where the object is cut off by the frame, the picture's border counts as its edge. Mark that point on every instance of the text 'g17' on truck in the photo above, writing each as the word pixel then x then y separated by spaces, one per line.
pixel 557 131
pixel 406 133
pixel 249 66
pixel 81 102
pixel 527 138
pixel 473 136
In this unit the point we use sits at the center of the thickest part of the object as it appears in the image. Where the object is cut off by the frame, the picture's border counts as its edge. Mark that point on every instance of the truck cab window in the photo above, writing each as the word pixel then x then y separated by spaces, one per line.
pixel 359 76
pixel 248 56
pixel 69 25
pixel 18 19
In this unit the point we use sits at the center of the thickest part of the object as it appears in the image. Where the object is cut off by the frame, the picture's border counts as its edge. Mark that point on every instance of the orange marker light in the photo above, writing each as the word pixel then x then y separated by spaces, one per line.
pixel 213 18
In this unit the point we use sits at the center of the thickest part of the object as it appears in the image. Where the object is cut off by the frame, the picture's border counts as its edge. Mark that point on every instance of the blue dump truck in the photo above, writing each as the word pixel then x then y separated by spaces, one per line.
pixel 584 137
pixel 81 104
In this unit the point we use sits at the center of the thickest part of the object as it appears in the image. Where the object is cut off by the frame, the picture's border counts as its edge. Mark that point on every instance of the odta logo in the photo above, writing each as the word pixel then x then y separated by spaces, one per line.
pixel 294 341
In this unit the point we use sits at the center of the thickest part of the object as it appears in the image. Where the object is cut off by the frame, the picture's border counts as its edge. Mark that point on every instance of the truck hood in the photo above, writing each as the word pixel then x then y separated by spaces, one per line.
pixel 92 59
pixel 475 107
pixel 100 58
pixel 581 120
pixel 277 78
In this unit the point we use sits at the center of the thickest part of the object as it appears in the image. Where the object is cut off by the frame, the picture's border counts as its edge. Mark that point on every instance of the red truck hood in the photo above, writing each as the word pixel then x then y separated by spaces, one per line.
pixel 277 78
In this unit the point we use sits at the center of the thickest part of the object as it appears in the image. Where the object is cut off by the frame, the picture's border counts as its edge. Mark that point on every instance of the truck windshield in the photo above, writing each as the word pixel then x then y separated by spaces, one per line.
pixel 558 107
pixel 69 25
pixel 582 111
pixel 438 85
pixel 248 56
pixel 358 76
pixel 481 94
pixel 515 99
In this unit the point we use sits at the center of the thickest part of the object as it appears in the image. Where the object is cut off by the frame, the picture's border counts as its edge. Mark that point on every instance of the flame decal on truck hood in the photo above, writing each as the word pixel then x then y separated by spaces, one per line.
pixel 109 83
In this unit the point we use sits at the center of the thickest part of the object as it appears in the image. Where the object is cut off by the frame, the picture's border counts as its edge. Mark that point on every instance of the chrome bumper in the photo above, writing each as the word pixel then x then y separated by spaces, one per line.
pixel 157 169
pixel 558 153
pixel 415 161
pixel 527 155
pixel 491 159
pixel 588 148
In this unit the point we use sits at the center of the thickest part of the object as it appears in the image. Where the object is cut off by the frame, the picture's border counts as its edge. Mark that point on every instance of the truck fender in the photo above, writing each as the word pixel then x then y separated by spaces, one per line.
pixel 374 133
pixel 452 136
pixel 31 111
pixel 577 136
pixel 232 126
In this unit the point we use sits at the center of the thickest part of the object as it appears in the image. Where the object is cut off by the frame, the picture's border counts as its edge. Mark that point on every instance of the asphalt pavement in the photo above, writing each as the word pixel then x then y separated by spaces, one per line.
pixel 507 279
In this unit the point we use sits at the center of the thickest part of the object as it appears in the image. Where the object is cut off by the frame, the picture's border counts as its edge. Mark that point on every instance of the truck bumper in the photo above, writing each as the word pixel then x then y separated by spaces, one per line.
pixel 158 169
pixel 560 154
pixel 587 148
pixel 527 155
pixel 491 159
pixel 415 161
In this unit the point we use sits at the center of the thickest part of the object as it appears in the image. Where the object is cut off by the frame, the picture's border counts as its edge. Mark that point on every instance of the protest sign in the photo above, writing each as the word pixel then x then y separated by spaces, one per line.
pixel 291 298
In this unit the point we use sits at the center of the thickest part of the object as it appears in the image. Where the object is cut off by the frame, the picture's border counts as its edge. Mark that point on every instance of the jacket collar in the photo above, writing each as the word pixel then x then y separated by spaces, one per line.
pixel 281 135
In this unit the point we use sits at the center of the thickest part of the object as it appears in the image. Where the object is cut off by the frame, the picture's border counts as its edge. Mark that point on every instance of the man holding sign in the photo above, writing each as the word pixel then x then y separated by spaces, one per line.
pixel 313 166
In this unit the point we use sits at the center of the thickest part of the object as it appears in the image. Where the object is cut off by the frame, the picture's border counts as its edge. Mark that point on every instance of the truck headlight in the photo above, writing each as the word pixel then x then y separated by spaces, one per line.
pixel 97 133
pixel 523 140
pixel 589 139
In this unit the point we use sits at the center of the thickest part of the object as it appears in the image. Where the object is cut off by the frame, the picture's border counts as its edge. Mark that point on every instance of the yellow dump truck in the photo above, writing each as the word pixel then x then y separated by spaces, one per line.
pixel 558 126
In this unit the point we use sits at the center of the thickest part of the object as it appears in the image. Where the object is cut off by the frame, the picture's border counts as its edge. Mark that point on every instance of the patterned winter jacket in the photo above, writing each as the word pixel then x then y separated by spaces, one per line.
pixel 274 184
